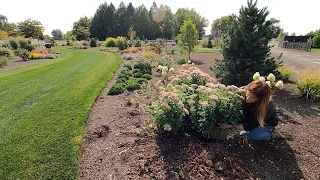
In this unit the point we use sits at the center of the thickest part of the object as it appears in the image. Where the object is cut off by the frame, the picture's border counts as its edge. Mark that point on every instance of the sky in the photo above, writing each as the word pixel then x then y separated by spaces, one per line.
pixel 300 17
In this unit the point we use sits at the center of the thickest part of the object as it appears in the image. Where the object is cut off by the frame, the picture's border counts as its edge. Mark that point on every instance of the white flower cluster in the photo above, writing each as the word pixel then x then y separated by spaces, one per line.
pixel 271 80
pixel 164 70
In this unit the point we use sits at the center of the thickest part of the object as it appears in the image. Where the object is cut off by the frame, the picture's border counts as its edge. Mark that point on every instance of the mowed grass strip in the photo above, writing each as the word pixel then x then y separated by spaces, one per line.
pixel 43 113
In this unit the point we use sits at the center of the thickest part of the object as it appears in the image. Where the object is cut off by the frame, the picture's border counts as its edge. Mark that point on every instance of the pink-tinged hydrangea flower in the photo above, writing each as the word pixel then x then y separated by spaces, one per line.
pixel 186 111
pixel 191 102
pixel 161 88
pixel 166 106
pixel 193 96
pixel 185 86
pixel 213 97
pixel 180 104
pixel 194 85
pixel 223 98
pixel 167 127
pixel 231 93
pixel 204 103
pixel 213 103
pixel 170 95
pixel 175 79
pixel 175 91
pixel 170 85
pixel 211 85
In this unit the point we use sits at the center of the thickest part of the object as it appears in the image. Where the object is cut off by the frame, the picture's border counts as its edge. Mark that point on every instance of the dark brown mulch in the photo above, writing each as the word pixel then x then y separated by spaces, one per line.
pixel 112 148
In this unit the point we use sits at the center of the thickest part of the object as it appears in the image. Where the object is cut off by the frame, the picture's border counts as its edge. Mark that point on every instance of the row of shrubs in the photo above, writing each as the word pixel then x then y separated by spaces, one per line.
pixel 120 42
pixel 131 78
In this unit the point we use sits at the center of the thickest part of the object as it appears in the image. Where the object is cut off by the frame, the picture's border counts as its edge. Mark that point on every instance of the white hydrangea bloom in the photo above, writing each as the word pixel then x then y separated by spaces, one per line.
pixel 271 77
pixel 256 76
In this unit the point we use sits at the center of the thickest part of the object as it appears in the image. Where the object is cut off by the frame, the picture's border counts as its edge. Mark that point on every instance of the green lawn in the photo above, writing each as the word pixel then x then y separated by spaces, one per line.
pixel 198 50
pixel 315 50
pixel 44 108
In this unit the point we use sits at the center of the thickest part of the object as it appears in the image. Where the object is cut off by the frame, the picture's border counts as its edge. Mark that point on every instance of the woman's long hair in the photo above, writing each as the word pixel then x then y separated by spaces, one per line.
pixel 263 92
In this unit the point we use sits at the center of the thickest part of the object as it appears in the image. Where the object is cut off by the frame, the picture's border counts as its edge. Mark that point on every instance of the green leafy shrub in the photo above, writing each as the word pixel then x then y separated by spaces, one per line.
pixel 316 40
pixel 142 81
pixel 22 42
pixel 204 43
pixel 147 76
pixel 23 53
pixel 145 67
pixel 168 113
pixel 136 71
pixel 4 61
pixel 110 42
pixel 93 42
pixel 29 47
pixel 132 84
pixel 128 66
pixel 181 61
pixel 6 52
pixel 122 80
pixel 118 88
pixel 14 43
pixel 137 75
pixel 308 84
pixel 122 43
pixel 125 74
pixel 286 72
pixel 137 43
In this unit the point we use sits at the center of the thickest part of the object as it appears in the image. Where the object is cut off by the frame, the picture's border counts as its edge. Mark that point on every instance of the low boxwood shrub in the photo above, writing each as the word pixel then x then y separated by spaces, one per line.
pixel 137 75
pixel 145 67
pixel 122 80
pixel 118 88
pixel 136 71
pixel 308 84
pixel 132 84
pixel 142 81
pixel 181 61
pixel 147 76
pixel 128 66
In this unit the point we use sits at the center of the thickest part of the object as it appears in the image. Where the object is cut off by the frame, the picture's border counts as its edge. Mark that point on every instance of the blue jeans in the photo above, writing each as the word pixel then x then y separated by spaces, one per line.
pixel 260 133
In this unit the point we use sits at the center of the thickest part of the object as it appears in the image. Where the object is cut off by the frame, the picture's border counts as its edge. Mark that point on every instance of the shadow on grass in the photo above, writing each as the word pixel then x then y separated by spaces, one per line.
pixel 187 157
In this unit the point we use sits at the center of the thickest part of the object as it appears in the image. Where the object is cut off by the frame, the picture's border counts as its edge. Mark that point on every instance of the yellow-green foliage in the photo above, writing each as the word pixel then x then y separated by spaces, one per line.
pixel 133 49
pixel 148 54
pixel 110 42
pixel 286 72
pixel 308 82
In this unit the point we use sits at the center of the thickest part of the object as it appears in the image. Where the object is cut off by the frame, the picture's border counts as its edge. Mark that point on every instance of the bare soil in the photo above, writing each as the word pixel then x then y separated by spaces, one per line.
pixel 18 62
pixel 115 145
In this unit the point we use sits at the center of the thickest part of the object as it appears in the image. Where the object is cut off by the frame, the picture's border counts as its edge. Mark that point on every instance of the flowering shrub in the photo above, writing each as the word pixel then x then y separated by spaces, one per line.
pixel 40 50
pixel 169 112
pixel 110 42
pixel 33 55
pixel 130 56
pixel 190 95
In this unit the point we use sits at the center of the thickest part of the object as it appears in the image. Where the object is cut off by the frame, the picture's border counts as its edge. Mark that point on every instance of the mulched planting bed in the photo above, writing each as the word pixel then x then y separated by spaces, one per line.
pixel 119 143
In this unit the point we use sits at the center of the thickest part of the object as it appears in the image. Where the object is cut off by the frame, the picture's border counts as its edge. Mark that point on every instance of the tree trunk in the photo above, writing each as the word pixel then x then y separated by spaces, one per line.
pixel 189 55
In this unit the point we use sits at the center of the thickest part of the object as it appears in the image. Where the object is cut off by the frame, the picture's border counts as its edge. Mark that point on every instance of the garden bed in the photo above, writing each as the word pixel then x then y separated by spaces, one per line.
pixel 119 143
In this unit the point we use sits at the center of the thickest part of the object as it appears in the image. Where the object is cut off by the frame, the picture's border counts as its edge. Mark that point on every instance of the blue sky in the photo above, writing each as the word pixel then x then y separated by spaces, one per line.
pixel 295 16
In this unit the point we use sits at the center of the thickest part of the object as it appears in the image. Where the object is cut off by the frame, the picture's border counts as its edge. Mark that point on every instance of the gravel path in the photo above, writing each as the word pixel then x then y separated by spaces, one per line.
pixel 298 59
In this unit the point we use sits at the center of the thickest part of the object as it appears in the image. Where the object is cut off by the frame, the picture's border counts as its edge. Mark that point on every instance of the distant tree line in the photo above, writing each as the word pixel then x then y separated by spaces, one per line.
pixel 157 22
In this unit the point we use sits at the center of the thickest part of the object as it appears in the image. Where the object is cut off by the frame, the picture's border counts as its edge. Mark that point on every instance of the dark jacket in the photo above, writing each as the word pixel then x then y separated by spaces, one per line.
pixel 250 121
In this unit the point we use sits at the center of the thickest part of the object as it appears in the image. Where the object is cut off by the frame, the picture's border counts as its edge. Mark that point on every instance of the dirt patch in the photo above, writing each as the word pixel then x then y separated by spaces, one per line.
pixel 17 62
pixel 117 144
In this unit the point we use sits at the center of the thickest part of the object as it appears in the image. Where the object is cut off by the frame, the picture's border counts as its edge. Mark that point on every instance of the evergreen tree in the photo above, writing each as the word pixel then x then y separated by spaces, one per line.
pixel 245 47
pixel 98 26
pixel 210 42
pixel 142 21
pixel 120 19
